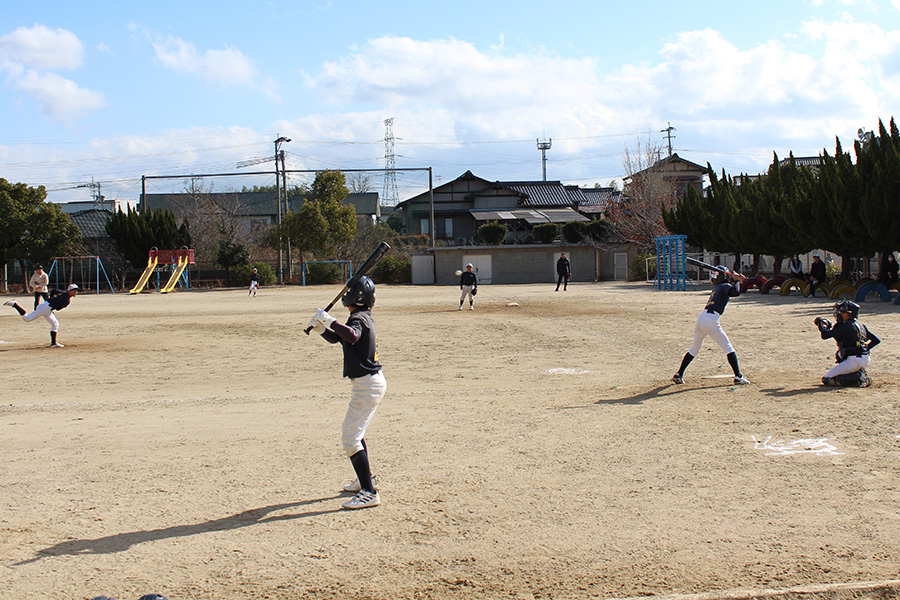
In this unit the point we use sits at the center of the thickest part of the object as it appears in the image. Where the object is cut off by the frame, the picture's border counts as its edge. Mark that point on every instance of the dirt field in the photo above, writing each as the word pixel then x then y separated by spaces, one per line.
pixel 188 444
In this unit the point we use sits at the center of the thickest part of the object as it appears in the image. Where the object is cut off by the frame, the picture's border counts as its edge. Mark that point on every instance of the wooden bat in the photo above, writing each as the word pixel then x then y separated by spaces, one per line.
pixel 376 255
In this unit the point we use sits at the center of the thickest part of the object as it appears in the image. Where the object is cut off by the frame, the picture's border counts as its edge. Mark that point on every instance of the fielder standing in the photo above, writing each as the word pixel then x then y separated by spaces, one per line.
pixel 368 384
pixel 38 284
pixel 254 283
pixel 58 300
pixel 707 324
pixel 468 285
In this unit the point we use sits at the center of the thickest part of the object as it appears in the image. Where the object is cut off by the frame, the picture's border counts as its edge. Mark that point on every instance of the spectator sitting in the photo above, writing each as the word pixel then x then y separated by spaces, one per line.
pixel 888 275
pixel 817 274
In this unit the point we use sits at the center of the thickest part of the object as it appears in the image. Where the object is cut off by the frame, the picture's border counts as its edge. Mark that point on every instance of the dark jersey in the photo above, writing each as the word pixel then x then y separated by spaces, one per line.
pixel 254 277
pixel 357 337
pixel 59 299
pixel 562 266
pixel 817 271
pixel 468 278
pixel 720 295
pixel 852 337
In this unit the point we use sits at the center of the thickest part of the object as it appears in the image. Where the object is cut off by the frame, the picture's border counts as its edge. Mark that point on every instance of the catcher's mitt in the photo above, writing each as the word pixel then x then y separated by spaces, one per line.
pixel 474 291
pixel 822 323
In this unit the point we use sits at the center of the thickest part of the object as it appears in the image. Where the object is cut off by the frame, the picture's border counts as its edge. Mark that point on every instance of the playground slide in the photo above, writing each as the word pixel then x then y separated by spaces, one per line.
pixel 145 277
pixel 173 280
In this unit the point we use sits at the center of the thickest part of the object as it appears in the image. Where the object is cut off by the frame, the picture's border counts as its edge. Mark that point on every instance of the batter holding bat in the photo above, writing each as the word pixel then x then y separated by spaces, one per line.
pixel 724 288
pixel 368 385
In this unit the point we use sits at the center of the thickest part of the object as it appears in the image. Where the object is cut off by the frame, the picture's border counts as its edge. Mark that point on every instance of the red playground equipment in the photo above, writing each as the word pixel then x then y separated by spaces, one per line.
pixel 178 259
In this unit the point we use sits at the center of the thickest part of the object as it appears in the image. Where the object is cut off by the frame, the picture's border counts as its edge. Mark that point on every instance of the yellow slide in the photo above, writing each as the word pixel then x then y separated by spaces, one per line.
pixel 173 280
pixel 145 276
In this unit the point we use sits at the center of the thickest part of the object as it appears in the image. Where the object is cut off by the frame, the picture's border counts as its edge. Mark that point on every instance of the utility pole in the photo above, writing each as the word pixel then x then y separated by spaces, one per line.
pixel 286 207
pixel 543 146
pixel 278 143
pixel 668 131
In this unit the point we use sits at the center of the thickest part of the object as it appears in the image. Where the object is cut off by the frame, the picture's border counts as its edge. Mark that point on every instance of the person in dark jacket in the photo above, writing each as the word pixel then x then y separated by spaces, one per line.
pixel 817 274
pixel 563 271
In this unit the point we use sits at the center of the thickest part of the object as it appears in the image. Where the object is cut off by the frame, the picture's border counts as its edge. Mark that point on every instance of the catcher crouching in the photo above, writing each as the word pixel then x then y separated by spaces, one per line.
pixel 854 342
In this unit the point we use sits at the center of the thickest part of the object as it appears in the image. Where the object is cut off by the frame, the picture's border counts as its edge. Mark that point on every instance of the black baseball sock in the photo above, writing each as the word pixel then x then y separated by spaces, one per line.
pixel 688 357
pixel 732 360
pixel 20 309
pixel 52 337
pixel 360 462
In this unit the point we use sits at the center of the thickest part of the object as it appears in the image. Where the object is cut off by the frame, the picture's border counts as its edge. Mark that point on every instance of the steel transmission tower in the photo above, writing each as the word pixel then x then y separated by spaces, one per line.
pixel 389 196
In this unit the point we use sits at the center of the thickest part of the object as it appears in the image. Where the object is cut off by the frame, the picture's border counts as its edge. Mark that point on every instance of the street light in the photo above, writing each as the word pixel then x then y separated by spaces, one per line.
pixel 278 142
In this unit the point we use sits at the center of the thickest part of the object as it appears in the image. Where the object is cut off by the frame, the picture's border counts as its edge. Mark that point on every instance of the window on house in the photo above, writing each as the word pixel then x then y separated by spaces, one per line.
pixel 444 228
pixel 423 227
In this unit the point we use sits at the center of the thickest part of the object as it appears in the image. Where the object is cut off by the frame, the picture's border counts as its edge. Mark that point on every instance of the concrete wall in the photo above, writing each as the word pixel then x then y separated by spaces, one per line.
pixel 533 263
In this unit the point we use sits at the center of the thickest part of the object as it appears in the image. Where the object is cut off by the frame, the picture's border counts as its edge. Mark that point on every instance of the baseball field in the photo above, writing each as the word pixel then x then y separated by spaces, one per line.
pixel 188 444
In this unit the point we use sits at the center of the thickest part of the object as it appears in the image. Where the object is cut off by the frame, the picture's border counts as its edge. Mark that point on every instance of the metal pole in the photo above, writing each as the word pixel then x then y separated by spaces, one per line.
pixel 278 200
pixel 432 227
pixel 290 262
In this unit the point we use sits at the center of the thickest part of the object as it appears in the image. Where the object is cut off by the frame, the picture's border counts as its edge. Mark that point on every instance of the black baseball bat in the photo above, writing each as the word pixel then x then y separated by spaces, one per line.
pixel 706 265
pixel 376 255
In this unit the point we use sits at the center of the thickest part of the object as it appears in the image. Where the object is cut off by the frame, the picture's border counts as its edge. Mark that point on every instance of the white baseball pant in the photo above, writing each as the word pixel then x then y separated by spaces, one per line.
pixel 365 394
pixel 466 291
pixel 851 364
pixel 708 325
pixel 43 310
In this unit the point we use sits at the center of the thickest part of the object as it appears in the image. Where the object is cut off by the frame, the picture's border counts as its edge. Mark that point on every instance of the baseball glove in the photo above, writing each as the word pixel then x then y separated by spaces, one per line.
pixel 474 291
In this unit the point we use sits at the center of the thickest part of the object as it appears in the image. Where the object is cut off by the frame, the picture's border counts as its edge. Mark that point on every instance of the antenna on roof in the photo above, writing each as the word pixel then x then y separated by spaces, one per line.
pixel 543 146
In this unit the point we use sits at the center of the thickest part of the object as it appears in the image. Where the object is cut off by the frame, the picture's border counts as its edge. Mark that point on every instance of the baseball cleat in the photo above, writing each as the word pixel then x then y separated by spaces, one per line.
pixel 56 345
pixel 354 486
pixel 741 380
pixel 363 499
pixel 676 378
pixel 9 303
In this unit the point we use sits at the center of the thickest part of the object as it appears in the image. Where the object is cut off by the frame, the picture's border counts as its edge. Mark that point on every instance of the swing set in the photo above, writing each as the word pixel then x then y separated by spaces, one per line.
pixel 64 267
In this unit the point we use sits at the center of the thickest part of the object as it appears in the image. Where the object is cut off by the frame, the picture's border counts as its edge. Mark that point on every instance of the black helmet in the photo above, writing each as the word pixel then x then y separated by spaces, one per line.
pixel 722 277
pixel 846 306
pixel 361 293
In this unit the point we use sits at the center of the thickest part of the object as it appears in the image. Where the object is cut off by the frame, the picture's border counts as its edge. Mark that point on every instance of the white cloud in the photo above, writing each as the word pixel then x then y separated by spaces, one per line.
pixel 228 66
pixel 59 98
pixel 40 47
pixel 510 96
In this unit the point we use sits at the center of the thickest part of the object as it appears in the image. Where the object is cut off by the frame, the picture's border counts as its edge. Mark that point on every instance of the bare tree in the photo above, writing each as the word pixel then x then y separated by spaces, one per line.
pixel 649 185
pixel 358 183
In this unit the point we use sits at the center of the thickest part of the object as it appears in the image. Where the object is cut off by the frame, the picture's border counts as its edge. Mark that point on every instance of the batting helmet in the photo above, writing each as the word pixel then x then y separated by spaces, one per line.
pixel 722 277
pixel 846 306
pixel 361 293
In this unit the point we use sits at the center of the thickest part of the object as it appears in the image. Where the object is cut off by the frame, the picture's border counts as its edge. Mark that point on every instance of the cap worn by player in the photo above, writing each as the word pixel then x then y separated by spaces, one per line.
pixel 361 293
pixel 72 286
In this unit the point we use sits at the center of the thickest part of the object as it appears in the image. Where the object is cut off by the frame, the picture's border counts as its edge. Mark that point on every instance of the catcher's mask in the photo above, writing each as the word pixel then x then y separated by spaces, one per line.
pixel 846 306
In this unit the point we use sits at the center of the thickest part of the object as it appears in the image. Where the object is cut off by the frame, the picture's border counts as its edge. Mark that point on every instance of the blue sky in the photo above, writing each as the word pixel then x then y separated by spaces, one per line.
pixel 110 93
